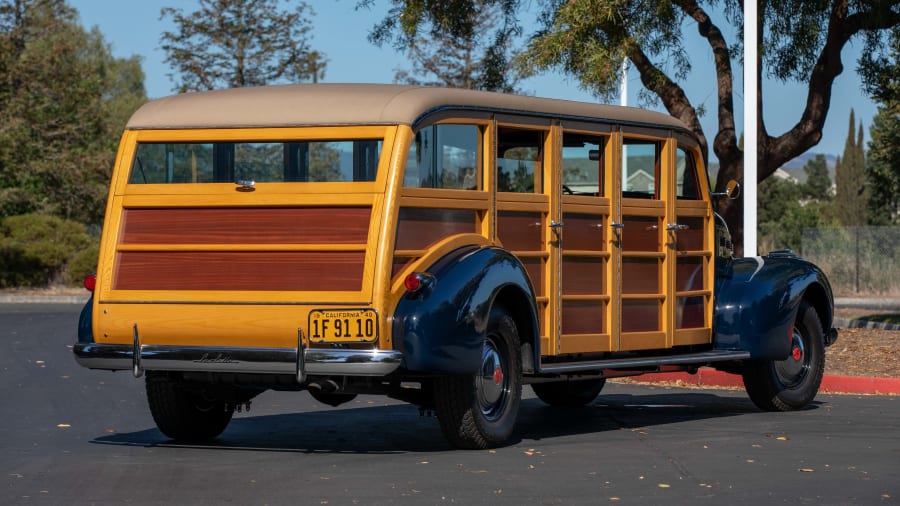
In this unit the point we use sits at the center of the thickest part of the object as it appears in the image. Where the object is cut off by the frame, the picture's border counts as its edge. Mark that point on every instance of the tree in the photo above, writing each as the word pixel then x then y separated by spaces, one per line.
pixel 64 101
pixel 781 217
pixel 801 41
pixel 818 183
pixel 850 180
pixel 883 170
pixel 477 54
pixel 236 43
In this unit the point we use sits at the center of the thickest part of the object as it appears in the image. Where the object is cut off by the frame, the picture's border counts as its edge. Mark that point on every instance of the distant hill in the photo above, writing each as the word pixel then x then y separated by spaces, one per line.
pixel 793 167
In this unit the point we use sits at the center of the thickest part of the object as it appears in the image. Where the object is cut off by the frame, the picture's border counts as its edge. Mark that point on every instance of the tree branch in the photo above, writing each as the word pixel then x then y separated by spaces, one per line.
pixel 672 95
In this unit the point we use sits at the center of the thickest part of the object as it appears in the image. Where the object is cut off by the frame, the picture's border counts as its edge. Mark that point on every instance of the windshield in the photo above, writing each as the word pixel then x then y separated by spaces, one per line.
pixel 262 162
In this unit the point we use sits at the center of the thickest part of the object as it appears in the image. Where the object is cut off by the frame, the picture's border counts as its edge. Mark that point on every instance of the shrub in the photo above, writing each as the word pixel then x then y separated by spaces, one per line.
pixel 82 264
pixel 35 248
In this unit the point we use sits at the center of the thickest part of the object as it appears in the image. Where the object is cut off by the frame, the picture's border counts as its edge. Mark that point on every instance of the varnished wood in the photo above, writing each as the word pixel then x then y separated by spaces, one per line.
pixel 312 225
pixel 420 227
pixel 273 271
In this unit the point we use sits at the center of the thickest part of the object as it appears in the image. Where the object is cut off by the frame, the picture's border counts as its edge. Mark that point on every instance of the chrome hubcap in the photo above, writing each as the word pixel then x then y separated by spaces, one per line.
pixel 491 382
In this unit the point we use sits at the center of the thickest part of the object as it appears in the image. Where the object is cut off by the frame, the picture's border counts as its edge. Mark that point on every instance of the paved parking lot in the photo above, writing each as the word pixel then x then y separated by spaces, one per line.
pixel 73 436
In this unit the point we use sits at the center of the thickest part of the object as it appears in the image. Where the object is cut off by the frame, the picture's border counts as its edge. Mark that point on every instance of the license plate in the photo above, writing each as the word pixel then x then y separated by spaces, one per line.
pixel 343 325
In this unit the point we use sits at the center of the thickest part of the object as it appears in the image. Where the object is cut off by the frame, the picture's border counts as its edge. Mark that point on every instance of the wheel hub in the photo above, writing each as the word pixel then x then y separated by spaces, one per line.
pixel 793 369
pixel 491 382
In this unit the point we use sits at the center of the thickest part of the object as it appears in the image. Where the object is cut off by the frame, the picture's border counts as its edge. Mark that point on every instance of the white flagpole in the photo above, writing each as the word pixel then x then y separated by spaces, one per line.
pixel 751 95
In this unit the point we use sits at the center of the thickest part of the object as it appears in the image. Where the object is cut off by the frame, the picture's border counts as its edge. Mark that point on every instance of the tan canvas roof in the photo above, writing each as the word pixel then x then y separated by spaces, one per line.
pixel 358 104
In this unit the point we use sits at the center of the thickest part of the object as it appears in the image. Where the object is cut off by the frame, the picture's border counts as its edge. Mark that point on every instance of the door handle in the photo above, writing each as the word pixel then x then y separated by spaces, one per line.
pixel 677 226
pixel 555 225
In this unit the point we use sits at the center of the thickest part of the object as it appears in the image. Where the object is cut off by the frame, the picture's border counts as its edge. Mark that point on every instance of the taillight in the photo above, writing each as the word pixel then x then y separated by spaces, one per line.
pixel 416 281
pixel 90 282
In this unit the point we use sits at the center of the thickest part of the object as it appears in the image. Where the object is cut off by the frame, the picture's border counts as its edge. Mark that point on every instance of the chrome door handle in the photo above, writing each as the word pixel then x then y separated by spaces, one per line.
pixel 556 224
pixel 677 226
pixel 245 185
pixel 617 226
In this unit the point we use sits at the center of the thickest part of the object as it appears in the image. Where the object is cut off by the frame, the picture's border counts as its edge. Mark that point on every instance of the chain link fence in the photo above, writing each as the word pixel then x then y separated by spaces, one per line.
pixel 857 260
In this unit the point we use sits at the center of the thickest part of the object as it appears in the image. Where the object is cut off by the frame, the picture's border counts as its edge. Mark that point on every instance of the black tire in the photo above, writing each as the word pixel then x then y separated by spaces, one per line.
pixel 479 411
pixel 183 413
pixel 569 393
pixel 792 383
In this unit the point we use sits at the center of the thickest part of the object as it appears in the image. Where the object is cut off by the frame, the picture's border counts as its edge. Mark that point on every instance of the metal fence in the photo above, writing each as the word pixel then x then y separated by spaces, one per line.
pixel 857 260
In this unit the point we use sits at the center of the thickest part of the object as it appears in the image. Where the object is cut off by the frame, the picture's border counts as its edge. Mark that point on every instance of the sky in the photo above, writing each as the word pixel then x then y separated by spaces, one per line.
pixel 340 32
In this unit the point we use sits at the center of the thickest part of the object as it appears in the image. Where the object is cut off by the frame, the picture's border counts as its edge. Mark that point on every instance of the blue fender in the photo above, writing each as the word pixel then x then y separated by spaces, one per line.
pixel 757 298
pixel 441 329
pixel 85 326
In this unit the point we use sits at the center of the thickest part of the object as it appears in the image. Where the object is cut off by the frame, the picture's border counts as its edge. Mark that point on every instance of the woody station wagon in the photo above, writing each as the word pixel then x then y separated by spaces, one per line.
pixel 442 247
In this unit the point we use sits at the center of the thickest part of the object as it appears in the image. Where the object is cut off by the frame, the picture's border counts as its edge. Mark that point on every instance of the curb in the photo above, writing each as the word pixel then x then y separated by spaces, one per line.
pixel 43 299
pixel 848 323
pixel 831 383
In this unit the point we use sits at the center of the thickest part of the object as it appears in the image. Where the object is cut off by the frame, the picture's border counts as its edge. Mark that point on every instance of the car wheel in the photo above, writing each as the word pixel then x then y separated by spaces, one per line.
pixel 569 393
pixel 792 383
pixel 183 413
pixel 479 411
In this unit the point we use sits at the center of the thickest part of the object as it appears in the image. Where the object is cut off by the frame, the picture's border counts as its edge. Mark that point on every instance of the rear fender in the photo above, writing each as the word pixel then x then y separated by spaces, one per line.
pixel 757 299
pixel 85 322
pixel 441 329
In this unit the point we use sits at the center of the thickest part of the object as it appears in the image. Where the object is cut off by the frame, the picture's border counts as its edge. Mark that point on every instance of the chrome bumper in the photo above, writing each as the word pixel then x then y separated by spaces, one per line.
pixel 300 363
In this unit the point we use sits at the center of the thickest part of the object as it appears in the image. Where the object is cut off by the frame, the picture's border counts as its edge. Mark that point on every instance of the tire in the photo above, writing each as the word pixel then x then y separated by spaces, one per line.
pixel 792 383
pixel 185 414
pixel 480 410
pixel 569 393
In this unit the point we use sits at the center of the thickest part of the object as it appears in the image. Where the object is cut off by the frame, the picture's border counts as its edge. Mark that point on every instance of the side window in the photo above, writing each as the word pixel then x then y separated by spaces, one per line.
pixel 686 176
pixel 445 156
pixel 519 159
pixel 263 162
pixel 640 169
pixel 582 163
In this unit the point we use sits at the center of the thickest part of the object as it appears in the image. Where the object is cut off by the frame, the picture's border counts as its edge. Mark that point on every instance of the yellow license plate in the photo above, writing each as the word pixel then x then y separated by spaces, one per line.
pixel 343 325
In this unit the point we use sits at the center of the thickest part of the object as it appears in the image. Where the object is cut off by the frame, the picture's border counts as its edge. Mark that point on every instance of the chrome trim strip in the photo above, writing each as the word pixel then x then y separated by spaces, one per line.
pixel 620 363
pixel 319 362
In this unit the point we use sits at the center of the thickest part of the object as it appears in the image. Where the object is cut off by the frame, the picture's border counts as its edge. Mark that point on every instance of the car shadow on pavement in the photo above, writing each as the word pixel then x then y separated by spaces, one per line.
pixel 400 429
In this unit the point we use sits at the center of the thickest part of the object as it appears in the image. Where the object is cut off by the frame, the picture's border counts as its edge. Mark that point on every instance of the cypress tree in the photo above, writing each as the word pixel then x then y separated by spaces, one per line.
pixel 850 179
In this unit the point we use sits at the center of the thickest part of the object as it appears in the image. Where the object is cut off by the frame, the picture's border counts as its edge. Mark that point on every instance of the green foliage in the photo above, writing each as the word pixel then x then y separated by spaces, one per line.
pixel 781 217
pixel 82 264
pixel 234 43
pixel 880 69
pixel 35 248
pixel 850 180
pixel 818 183
pixel 458 44
pixel 64 101
pixel 883 169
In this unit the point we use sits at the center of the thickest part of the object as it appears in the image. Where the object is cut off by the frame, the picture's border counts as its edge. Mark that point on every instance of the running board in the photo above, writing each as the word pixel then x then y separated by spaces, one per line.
pixel 638 362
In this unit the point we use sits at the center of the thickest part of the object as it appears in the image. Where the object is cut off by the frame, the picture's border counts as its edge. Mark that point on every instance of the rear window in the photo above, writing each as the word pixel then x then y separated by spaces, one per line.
pixel 262 162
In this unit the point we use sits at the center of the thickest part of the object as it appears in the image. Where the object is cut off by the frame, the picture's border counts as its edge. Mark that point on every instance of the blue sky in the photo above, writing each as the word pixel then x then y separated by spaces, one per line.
pixel 134 28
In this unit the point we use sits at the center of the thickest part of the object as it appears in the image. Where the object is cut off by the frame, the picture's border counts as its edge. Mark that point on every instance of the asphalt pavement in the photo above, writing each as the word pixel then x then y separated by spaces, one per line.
pixel 74 436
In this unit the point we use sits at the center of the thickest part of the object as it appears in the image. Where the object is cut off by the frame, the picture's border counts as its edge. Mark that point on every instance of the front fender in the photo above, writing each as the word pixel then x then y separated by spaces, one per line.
pixel 441 329
pixel 756 302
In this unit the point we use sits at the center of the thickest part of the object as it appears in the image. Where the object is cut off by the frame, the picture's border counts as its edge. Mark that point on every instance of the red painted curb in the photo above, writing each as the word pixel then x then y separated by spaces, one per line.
pixel 831 383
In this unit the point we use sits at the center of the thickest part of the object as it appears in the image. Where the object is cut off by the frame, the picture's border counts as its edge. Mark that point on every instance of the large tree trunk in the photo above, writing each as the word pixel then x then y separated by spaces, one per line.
pixel 772 152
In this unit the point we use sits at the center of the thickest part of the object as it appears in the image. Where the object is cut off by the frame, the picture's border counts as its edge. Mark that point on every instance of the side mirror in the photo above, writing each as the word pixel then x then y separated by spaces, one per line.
pixel 732 190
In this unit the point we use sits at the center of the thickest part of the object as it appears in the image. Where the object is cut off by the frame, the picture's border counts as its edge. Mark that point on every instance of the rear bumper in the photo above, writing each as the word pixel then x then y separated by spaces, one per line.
pixel 300 363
